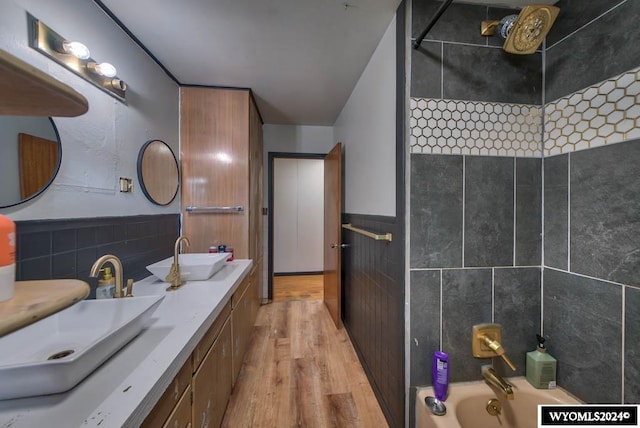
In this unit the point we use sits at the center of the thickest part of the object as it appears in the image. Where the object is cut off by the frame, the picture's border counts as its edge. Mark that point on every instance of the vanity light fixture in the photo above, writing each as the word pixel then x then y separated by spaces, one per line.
pixel 75 57
pixel 103 69
pixel 76 49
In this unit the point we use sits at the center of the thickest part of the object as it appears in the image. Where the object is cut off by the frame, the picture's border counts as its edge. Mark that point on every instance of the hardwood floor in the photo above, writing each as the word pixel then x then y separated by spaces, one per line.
pixel 300 371
pixel 298 287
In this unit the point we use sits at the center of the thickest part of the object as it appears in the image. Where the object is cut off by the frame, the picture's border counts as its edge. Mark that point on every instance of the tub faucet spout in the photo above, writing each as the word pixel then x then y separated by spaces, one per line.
pixel 493 378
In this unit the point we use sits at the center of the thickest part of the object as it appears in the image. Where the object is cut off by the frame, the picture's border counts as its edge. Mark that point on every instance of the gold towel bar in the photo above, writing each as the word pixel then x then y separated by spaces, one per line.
pixel 385 237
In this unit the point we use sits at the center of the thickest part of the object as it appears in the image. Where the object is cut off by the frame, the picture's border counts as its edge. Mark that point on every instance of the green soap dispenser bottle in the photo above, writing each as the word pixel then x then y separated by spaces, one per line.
pixel 541 367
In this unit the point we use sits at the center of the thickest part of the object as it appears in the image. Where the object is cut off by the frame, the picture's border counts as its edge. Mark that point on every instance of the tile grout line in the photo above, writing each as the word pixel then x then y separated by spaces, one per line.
pixel 569 211
pixel 464 167
pixel 441 303
pixel 515 204
pixel 587 24
pixel 622 360
pixel 543 112
pixel 542 301
pixel 606 281
pixel 475 268
pixel 441 70
pixel 493 295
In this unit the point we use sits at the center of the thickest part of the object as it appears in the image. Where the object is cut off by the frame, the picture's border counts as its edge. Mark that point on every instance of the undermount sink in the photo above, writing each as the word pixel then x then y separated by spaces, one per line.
pixel 193 266
pixel 54 354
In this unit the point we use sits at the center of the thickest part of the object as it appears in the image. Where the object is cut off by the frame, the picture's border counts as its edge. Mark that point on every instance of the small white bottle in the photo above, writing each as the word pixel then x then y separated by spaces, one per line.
pixel 106 285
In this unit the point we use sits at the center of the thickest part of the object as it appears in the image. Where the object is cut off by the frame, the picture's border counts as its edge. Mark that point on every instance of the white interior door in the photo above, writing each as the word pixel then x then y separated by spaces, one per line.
pixel 298 215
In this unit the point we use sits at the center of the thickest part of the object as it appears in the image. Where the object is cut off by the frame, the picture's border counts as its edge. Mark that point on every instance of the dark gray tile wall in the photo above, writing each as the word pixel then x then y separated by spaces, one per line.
pixel 456 62
pixel 426 70
pixel 632 346
pixel 583 327
pixel 603 216
pixel 605 212
pixel 439 197
pixel 466 301
pixel 603 188
pixel 55 249
pixel 490 74
pixel 591 216
pixel 437 209
pixel 575 14
pixel 598 51
pixel 528 209
pixel 468 296
pixel 488 213
pixel 439 216
pixel 460 23
pixel 517 302
pixel 425 323
pixel 556 213
pixel 592 213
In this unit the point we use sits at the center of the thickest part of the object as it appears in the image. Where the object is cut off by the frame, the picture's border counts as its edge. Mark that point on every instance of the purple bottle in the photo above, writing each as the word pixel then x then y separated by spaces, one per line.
pixel 440 373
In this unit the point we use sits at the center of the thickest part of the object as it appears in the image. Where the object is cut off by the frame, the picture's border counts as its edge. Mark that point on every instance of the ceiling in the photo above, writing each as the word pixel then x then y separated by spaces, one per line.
pixel 301 58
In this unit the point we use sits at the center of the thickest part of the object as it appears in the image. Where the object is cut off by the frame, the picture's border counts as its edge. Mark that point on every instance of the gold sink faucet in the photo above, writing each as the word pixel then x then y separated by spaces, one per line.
pixel 174 274
pixel 493 378
pixel 118 271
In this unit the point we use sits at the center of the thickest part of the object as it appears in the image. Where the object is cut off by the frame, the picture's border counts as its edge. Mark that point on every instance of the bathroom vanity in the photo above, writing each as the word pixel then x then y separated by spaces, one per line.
pixel 188 348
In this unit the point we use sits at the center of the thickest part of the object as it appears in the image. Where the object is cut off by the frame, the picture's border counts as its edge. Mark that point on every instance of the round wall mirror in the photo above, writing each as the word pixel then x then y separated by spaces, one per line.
pixel 30 157
pixel 158 172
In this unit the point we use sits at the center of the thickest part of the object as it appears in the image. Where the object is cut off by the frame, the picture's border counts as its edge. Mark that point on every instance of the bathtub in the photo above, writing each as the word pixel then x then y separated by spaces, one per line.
pixel 467 405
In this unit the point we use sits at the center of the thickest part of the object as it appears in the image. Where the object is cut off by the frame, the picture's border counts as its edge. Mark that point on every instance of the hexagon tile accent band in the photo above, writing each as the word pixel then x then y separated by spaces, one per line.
pixel 475 128
pixel 606 113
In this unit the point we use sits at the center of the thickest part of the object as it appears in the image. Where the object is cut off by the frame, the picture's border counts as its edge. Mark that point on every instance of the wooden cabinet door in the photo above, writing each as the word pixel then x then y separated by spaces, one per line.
pixel 246 303
pixel 255 183
pixel 333 233
pixel 212 382
pixel 239 318
pixel 172 395
pixel 214 138
pixel 181 415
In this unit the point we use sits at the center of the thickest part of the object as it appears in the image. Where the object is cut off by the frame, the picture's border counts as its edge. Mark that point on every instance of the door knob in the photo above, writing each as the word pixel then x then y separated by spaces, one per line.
pixel 339 245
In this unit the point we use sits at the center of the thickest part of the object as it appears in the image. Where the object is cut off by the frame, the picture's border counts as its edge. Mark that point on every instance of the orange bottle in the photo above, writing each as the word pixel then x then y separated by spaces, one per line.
pixel 7 257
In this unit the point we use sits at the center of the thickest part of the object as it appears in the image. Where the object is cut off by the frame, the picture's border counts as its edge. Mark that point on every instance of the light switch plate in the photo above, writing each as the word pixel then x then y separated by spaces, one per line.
pixel 126 185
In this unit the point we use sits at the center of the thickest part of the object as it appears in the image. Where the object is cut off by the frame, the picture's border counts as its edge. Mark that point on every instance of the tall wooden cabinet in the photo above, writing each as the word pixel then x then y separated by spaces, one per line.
pixel 221 156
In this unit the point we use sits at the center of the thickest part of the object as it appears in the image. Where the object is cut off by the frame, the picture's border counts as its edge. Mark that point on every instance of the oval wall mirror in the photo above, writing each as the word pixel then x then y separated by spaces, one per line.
pixel 158 172
pixel 30 157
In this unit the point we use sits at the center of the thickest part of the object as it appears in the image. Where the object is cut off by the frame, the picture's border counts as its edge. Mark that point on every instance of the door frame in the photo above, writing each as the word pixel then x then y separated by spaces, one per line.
pixel 272 156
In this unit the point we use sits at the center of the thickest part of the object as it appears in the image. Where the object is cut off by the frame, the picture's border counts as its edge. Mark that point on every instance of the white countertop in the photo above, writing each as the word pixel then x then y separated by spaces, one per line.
pixel 126 387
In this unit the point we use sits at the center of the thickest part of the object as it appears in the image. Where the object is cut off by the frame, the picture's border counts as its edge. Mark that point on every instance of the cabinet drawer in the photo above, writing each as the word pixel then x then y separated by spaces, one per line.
pixel 170 398
pixel 181 415
pixel 210 336
pixel 212 382
pixel 237 295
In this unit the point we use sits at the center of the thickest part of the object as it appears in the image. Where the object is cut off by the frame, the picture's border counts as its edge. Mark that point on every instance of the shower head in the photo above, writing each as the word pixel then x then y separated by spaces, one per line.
pixel 523 33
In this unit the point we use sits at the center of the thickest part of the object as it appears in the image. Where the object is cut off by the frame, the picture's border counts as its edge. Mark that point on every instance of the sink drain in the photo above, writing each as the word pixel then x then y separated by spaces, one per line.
pixel 61 354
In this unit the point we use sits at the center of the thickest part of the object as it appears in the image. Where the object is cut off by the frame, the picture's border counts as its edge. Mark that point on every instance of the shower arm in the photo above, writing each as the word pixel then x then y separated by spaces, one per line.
pixel 438 14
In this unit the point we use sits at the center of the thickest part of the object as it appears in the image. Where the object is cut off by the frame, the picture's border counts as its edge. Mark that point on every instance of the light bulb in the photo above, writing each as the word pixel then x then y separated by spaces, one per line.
pixel 103 69
pixel 76 49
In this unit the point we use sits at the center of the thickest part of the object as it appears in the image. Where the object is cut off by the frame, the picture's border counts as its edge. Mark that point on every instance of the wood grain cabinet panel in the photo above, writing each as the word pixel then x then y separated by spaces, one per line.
pixel 209 337
pixel 221 155
pixel 243 318
pixel 212 382
pixel 181 415
pixel 172 395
